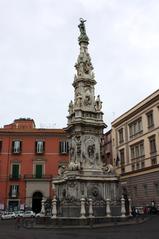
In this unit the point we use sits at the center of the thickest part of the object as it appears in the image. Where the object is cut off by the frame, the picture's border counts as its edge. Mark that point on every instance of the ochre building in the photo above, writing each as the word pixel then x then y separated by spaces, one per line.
pixel 135 145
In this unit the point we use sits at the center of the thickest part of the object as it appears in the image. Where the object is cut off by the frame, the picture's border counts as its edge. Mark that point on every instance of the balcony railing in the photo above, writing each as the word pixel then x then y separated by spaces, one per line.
pixel 36 177
pixel 14 177
pixel 14 195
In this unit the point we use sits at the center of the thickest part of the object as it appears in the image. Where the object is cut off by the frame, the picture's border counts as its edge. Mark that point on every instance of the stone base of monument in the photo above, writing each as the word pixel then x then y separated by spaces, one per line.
pixel 79 222
pixel 70 210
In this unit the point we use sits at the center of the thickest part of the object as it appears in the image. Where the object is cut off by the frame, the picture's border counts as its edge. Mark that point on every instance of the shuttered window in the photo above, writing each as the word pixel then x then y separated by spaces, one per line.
pixel 16 147
pixel 63 147
pixel 15 171
pixel 39 171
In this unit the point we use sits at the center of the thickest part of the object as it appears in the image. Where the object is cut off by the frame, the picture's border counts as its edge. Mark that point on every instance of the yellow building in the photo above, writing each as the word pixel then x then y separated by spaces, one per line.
pixel 135 145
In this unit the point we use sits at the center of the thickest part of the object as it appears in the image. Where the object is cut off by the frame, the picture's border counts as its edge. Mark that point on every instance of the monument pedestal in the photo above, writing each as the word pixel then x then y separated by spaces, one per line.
pixel 74 185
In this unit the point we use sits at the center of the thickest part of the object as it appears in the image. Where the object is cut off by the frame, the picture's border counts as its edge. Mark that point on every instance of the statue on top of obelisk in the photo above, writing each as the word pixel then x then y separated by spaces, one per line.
pixel 83 36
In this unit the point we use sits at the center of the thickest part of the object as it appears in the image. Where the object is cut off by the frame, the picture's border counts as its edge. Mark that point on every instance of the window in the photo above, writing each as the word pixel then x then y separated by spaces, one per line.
pixel 135 127
pixel 135 190
pixel 14 191
pixel 39 147
pixel 64 148
pixel 150 120
pixel 137 166
pixel 39 171
pixel 156 185
pixel 152 142
pixel 145 189
pixel 133 167
pixel 137 150
pixel 122 156
pixel 121 136
pixel 142 164
pixel 0 146
pixel 15 171
pixel 153 161
pixel 16 147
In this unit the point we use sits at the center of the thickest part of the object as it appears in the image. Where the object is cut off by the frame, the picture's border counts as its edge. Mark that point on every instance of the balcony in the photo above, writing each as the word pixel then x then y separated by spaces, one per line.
pixel 33 177
pixel 13 195
pixel 14 177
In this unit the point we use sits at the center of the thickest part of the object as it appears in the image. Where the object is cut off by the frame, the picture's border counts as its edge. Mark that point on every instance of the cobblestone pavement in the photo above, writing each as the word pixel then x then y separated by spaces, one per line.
pixel 146 230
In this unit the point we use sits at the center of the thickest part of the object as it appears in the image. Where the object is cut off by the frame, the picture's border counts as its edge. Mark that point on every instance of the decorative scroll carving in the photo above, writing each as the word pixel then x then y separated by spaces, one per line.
pixel 108 169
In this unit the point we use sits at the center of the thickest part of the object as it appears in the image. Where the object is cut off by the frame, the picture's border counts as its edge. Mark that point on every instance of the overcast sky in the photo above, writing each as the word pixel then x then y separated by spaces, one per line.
pixel 39 47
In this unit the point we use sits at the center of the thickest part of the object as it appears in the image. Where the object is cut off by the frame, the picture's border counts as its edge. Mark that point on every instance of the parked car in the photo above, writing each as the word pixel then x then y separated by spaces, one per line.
pixel 29 214
pixel 39 215
pixel 8 215
pixel 19 213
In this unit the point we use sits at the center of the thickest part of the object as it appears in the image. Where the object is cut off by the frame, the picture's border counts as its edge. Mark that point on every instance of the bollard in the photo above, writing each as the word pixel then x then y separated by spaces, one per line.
pixel 83 211
pixel 42 207
pixel 108 211
pixel 130 210
pixel 90 208
pixel 123 211
pixel 54 209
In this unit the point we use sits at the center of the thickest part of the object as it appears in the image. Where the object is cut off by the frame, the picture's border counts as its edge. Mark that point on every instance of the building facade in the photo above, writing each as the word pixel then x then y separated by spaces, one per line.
pixel 29 159
pixel 106 148
pixel 135 145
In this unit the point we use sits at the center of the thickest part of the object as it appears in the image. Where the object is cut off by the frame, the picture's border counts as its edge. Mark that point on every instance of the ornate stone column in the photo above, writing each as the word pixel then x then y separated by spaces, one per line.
pixel 130 204
pixel 54 209
pixel 123 210
pixel 42 207
pixel 108 211
pixel 83 210
pixel 90 207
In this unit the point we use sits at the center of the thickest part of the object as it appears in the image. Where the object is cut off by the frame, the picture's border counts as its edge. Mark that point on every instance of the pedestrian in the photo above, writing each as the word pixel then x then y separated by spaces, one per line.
pixel 18 221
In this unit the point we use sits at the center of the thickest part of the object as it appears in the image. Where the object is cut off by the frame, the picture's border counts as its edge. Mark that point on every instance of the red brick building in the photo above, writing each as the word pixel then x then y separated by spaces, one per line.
pixel 29 158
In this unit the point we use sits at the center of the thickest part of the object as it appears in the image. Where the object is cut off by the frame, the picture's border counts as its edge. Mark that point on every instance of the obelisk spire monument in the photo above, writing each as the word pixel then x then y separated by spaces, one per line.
pixel 85 176
pixel 85 120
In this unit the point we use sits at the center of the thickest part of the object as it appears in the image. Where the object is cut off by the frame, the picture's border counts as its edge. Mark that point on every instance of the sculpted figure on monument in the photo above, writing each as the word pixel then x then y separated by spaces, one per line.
pixel 72 153
pixel 83 36
pixel 87 67
pixel 87 100
pixel 98 104
pixel 74 164
pixel 70 107
pixel 82 26
pixel 91 150
pixel 78 100
pixel 79 68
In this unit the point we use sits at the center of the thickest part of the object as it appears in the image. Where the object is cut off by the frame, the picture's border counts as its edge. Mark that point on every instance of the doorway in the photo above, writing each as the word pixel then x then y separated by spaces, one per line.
pixel 36 202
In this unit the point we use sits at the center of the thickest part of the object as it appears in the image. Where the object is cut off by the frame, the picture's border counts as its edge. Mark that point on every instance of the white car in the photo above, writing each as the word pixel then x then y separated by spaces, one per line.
pixel 29 214
pixel 40 215
pixel 19 213
pixel 8 215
